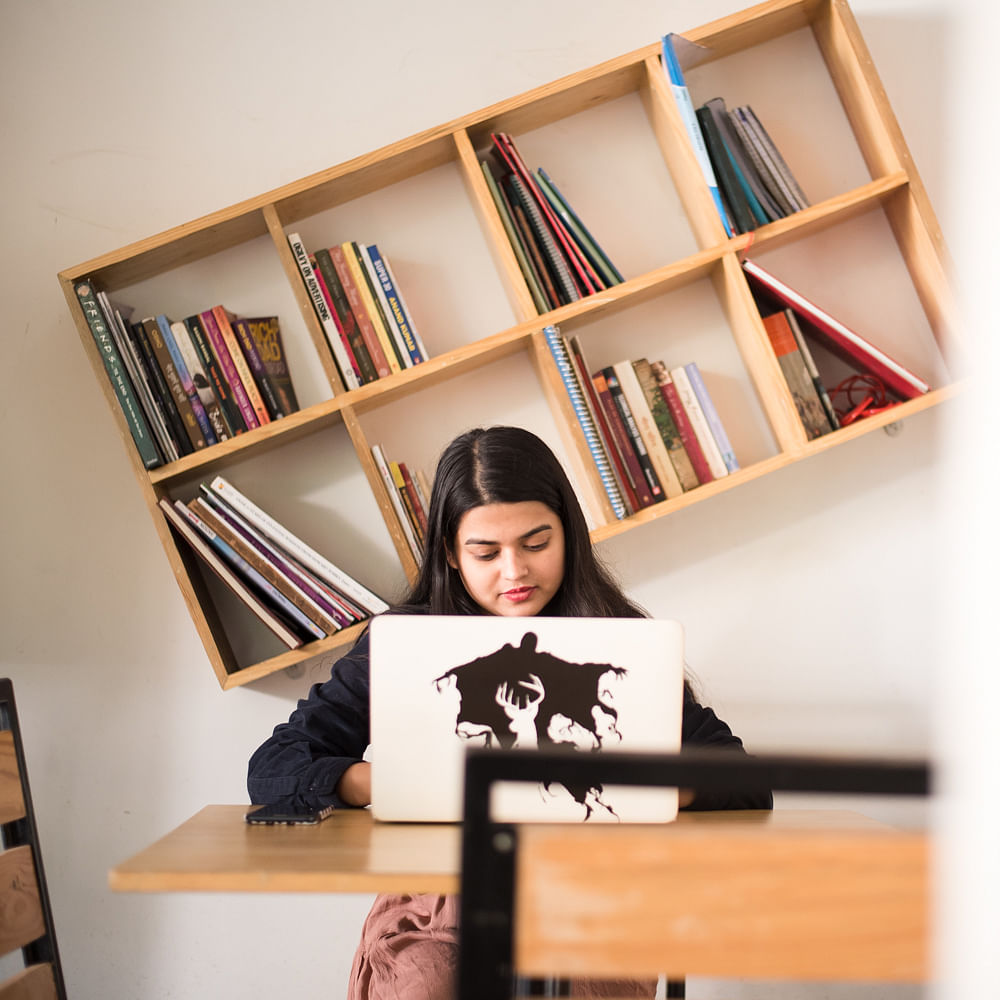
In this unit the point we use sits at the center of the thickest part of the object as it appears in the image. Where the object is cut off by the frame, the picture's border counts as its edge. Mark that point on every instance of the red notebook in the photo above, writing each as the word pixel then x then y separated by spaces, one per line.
pixel 851 346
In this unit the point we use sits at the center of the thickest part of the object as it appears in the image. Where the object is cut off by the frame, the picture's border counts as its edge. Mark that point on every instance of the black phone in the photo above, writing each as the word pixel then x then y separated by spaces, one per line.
pixel 269 815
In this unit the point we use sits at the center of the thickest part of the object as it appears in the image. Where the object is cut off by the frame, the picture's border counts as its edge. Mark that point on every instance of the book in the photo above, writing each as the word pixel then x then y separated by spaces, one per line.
pixel 540 264
pixel 752 149
pixel 347 373
pixel 632 431
pixel 162 391
pixel 135 366
pixel 699 423
pixel 368 335
pixel 200 384
pixel 843 341
pixel 231 415
pixel 581 270
pixel 260 375
pixel 740 215
pixel 528 270
pixel 270 594
pixel 259 558
pixel 655 448
pixel 165 361
pixel 582 371
pixel 266 333
pixel 186 530
pixel 635 476
pixel 224 322
pixel 578 401
pixel 665 424
pixel 675 78
pixel 396 500
pixel 807 357
pixel 343 316
pixel 371 307
pixel 114 367
pixel 682 421
pixel 394 305
pixel 772 158
pixel 712 416
pixel 595 253
pixel 233 378
pixel 187 383
pixel 417 501
pixel 296 573
pixel 392 329
pixel 793 367
pixel 297 548
pixel 759 199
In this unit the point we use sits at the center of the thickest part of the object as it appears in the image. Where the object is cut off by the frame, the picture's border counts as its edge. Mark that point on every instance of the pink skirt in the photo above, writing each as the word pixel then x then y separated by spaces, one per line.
pixel 409 951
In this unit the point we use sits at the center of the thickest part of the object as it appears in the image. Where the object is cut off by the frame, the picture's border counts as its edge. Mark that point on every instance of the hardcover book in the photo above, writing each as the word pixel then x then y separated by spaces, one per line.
pixel 665 424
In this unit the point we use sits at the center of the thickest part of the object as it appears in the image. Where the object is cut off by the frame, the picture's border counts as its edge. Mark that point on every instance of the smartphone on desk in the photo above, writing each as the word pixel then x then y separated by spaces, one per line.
pixel 270 815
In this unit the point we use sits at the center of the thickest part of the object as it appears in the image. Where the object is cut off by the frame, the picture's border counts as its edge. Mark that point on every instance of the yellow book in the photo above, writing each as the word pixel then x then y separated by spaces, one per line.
pixel 371 306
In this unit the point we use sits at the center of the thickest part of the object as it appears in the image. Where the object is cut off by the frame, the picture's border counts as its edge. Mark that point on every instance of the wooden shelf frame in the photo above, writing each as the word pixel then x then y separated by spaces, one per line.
pixel 894 189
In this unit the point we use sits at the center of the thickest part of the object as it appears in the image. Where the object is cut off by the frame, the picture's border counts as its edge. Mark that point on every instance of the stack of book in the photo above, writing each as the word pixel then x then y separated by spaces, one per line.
pixel 785 311
pixel 749 178
pixel 408 494
pixel 360 306
pixel 558 256
pixel 652 431
pixel 185 385
pixel 297 593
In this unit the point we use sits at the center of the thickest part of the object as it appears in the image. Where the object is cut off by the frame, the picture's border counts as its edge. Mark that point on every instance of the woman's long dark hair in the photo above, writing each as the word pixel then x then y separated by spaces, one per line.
pixel 510 465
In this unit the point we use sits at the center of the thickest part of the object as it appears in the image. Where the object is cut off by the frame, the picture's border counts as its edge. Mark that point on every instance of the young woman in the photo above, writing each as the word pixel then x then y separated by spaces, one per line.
pixel 506 536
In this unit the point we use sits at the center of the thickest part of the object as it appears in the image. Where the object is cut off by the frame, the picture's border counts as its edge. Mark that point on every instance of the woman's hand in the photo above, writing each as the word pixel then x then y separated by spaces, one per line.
pixel 355 785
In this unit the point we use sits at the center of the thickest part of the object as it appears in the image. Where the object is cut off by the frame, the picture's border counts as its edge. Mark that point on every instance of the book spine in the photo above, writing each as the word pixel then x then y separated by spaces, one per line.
pixel 343 316
pixel 118 377
pixel 687 435
pixel 540 266
pixel 347 373
pixel 224 324
pixel 396 500
pixel 406 312
pixel 175 424
pixel 166 363
pixel 765 167
pixel 393 332
pixel 810 363
pixel 360 275
pixel 559 353
pixel 200 382
pixel 222 352
pixel 636 478
pixel 781 167
pixel 187 383
pixel 197 542
pixel 266 332
pixel 392 303
pixel 665 424
pixel 712 416
pixel 655 447
pixel 213 369
pixel 248 348
pixel 739 211
pixel 675 78
pixel 259 560
pixel 298 549
pixel 418 502
pixel 632 429
pixel 699 422
pixel 346 275
pixel 298 575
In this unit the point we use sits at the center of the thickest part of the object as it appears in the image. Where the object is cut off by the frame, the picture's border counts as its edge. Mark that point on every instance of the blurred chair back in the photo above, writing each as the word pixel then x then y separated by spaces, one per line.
pixel 25 916
pixel 794 894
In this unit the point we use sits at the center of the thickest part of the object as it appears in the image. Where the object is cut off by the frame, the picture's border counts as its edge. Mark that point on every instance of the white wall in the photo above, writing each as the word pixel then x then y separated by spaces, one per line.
pixel 812 598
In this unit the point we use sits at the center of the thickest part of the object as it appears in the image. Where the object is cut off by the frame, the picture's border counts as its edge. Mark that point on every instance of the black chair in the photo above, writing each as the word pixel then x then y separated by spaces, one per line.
pixel 25 915
pixel 500 880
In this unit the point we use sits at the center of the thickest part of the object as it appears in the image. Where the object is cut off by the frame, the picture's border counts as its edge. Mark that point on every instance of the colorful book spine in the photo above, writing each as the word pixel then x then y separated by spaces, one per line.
pixel 165 361
pixel 298 549
pixel 213 369
pixel 223 319
pixel 632 429
pixel 635 477
pixel 394 305
pixel 364 286
pixel 810 362
pixel 117 375
pixel 356 302
pixel 248 348
pixel 675 77
pixel 162 390
pixel 197 407
pixel 347 373
pixel 665 424
pixel 712 416
pixel 229 370
pixel 560 355
pixel 683 422
pixel 384 467
pixel 200 382
pixel 699 422
pixel 343 315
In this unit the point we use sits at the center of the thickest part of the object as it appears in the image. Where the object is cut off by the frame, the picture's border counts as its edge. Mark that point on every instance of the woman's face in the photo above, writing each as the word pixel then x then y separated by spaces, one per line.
pixel 510 556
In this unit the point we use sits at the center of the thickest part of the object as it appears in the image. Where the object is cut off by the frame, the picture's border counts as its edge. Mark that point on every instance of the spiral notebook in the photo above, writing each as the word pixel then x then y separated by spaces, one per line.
pixel 439 684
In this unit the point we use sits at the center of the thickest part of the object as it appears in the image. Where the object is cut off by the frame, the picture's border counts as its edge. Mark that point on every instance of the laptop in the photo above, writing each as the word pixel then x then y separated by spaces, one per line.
pixel 440 684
